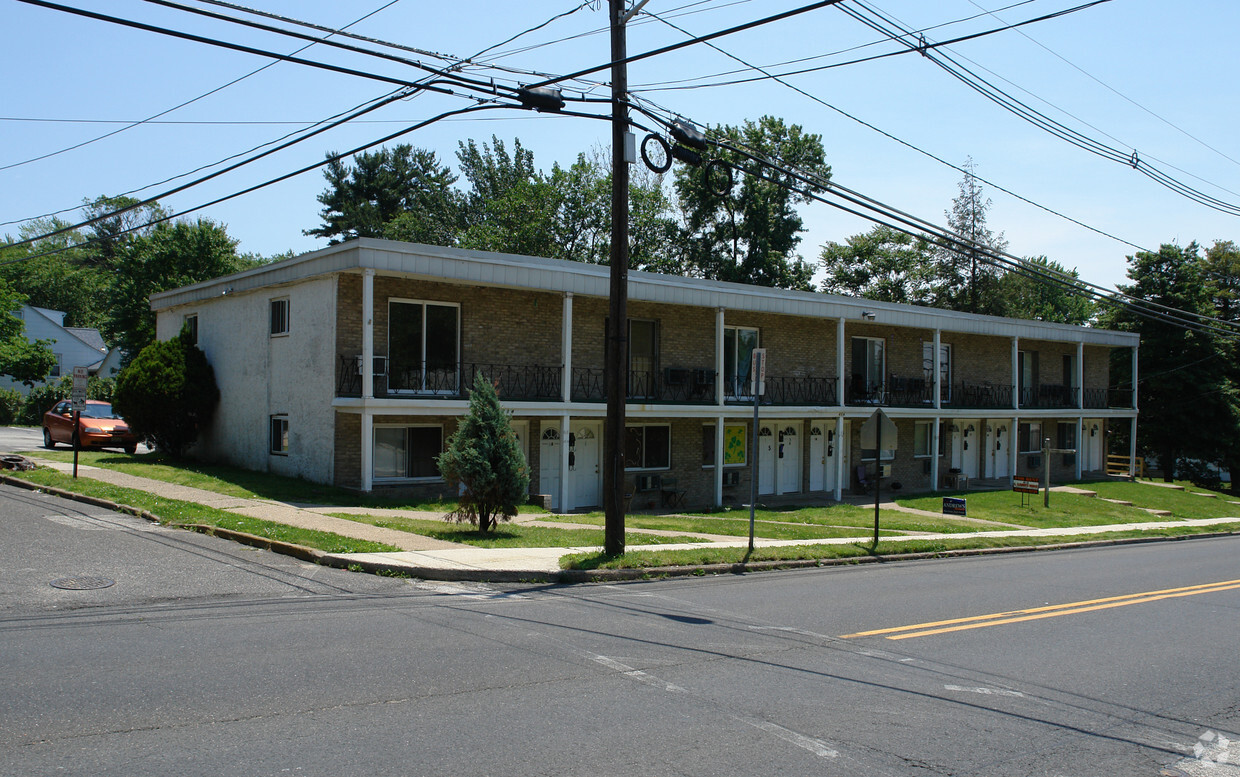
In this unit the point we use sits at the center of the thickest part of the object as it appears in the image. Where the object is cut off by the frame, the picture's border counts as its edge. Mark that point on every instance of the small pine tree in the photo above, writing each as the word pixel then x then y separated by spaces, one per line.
pixel 484 457
pixel 168 394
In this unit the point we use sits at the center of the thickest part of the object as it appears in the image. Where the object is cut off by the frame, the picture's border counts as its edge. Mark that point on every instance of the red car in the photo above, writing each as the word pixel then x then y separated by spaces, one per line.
pixel 100 427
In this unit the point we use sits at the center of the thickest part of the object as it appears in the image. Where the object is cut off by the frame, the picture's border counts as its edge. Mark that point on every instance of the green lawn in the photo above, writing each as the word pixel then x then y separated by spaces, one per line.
pixel 716 555
pixel 1065 509
pixel 175 512
pixel 234 481
pixel 1181 504
pixel 508 535
pixel 729 526
pixel 862 517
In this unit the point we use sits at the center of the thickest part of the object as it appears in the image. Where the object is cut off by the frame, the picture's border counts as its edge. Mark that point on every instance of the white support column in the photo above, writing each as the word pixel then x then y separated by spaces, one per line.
pixel 1015 373
pixel 566 349
pixel 368 334
pixel 934 440
pixel 839 363
pixel 719 461
pixel 1080 438
pixel 1080 384
pixel 938 366
pixel 1134 381
pixel 564 425
pixel 840 448
pixel 368 450
pixel 720 394
pixel 1013 448
pixel 1132 449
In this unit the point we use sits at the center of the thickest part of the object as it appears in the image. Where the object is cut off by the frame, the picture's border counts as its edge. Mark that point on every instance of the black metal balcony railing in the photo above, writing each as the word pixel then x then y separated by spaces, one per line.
pixel 513 382
pixel 674 385
pixel 1048 396
pixel 785 390
pixel 981 396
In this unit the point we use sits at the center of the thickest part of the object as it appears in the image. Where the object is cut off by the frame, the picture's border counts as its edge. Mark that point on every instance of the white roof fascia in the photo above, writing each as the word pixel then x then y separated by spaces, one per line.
pixel 441 263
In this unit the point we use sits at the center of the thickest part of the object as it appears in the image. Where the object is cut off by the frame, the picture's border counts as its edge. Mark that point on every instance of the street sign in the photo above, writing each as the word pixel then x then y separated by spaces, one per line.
pixel 869 432
pixel 77 396
pixel 757 373
pixel 954 506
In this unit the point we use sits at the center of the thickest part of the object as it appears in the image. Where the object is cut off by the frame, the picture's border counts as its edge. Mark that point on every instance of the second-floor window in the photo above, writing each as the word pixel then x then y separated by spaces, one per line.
pixel 279 316
pixel 423 346
pixel 868 368
pixel 738 345
pixel 945 369
pixel 643 357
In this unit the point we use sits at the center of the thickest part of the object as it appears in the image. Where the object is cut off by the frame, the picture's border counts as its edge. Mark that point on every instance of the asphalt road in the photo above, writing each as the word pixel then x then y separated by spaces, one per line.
pixel 30 438
pixel 204 658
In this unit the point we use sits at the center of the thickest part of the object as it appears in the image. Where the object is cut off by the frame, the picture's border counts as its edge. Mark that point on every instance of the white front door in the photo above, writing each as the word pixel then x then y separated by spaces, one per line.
pixel 766 460
pixel 817 458
pixel 549 452
pixel 1000 452
pixel 1091 444
pixel 970 448
pixel 585 476
pixel 788 474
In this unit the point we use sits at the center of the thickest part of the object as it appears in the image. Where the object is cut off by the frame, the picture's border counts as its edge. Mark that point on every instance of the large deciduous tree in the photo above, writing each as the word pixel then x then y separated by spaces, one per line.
pixel 401 193
pixel 1046 291
pixel 883 264
pixel 483 459
pixel 1188 403
pixel 750 234
pixel 1221 274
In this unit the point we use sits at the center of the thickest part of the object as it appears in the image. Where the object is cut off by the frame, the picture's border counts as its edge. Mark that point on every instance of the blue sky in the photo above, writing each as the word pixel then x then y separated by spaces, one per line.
pixel 1153 76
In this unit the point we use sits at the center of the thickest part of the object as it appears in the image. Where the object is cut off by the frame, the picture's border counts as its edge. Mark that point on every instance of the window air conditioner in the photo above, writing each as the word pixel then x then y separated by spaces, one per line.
pixel 732 477
pixel 380 365
pixel 647 482
pixel 676 376
pixel 884 471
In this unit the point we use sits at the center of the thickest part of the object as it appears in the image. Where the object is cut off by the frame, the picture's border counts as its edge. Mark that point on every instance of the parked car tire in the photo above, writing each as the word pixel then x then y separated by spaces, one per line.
pixel 47 439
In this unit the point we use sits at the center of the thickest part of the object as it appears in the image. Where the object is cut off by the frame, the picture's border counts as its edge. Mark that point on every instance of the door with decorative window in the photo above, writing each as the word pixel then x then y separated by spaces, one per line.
pixel 823 449
pixel 788 474
pixel 766 459
pixel 549 452
pixel 585 475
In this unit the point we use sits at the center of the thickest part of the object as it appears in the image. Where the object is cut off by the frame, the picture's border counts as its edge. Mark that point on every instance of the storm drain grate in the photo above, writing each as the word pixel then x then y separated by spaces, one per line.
pixel 83 583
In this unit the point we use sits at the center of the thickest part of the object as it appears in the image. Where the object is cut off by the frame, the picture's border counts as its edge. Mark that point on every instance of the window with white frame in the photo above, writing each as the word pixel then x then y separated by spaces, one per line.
pixel 647 446
pixel 279 435
pixel 945 369
pixel 738 345
pixel 868 368
pixel 923 439
pixel 1030 437
pixel 279 316
pixel 407 452
pixel 424 346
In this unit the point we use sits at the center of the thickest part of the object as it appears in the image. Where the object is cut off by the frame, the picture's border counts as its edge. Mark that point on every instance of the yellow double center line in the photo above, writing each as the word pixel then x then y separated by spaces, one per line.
pixel 1037 613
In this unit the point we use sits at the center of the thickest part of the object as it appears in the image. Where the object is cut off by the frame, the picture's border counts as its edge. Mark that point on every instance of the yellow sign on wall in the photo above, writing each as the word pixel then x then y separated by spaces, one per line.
pixel 734 447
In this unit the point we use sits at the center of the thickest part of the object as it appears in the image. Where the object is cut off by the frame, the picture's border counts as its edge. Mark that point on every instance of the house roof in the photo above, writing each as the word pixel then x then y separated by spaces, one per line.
pixel 387 257
pixel 88 335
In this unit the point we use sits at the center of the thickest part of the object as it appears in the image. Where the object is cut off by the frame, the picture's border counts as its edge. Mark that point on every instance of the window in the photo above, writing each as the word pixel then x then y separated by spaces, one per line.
pixel 423 346
pixel 647 447
pixel 735 445
pixel 405 452
pixel 738 345
pixel 923 439
pixel 643 357
pixel 1030 438
pixel 1027 368
pixel 279 435
pixel 945 369
pixel 867 454
pixel 868 368
pixel 191 324
pixel 55 373
pixel 279 316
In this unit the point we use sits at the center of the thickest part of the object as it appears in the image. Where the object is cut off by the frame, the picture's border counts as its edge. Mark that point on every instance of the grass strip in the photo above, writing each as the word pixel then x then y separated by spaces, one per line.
pixel 729 527
pixel 1066 510
pixel 700 557
pixel 1181 504
pixel 178 513
pixel 507 535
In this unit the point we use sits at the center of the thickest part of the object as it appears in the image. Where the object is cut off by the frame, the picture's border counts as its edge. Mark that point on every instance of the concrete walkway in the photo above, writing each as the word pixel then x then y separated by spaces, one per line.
pixel 424 556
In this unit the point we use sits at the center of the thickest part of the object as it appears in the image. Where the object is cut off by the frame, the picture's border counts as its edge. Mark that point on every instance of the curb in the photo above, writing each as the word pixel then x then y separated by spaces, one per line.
pixel 569 576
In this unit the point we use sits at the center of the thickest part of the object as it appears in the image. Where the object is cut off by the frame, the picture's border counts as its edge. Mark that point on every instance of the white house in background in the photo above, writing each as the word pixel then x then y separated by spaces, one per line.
pixel 73 346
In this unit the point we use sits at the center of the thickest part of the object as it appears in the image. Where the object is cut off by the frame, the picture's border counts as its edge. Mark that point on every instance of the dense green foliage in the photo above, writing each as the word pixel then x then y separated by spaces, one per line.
pixel 484 459
pixel 168 394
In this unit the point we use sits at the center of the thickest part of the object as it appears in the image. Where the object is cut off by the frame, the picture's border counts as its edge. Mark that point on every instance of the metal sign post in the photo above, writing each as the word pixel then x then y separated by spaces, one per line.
pixel 1047 450
pixel 757 387
pixel 77 401
pixel 872 432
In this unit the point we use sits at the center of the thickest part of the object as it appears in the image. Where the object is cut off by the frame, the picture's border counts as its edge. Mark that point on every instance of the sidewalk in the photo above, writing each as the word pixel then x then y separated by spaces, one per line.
pixel 436 559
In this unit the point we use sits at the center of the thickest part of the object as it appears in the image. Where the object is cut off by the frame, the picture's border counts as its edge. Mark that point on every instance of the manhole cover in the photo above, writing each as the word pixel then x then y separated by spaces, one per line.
pixel 83 583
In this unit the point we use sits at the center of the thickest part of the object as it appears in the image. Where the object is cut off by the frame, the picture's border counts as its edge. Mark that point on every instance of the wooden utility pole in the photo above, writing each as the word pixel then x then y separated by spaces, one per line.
pixel 617 320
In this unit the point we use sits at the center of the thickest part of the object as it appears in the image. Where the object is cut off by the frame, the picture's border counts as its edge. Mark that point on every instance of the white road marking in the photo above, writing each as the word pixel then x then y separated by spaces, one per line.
pixel 815 746
pixel 985 691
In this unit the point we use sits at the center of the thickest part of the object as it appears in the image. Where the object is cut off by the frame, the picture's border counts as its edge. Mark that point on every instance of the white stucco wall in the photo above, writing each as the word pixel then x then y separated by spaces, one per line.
pixel 260 375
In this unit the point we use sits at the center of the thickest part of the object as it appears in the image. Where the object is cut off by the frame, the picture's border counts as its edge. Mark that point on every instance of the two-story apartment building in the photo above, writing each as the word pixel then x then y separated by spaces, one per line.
pixel 351 365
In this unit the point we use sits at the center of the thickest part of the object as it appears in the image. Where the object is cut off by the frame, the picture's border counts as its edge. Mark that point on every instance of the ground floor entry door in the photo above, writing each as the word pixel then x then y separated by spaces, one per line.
pixel 788 471
pixel 766 459
pixel 823 449
pixel 549 452
pixel 585 476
